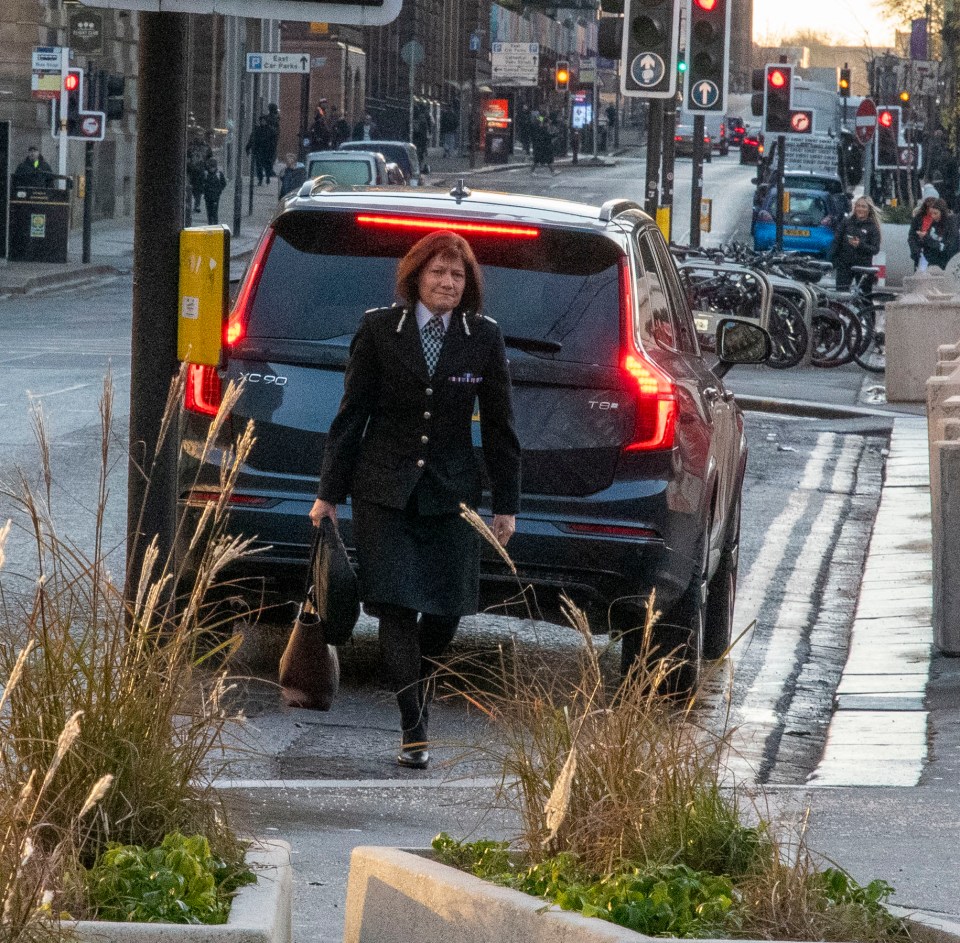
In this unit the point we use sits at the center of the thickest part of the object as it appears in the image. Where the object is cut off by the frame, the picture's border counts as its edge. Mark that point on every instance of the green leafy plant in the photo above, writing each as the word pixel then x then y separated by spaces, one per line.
pixel 181 881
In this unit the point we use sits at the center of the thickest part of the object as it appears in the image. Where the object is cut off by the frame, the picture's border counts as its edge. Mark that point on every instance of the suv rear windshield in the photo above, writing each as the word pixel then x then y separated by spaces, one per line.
pixel 324 270
pixel 347 173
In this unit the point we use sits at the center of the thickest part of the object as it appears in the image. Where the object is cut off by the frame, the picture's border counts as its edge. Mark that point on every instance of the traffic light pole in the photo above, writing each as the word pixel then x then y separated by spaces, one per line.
pixel 781 169
pixel 696 190
pixel 654 151
pixel 88 173
pixel 665 213
pixel 237 148
pixel 161 147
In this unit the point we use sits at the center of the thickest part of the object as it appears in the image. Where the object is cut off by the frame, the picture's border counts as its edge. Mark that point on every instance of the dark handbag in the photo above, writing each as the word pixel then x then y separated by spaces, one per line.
pixel 334 590
pixel 309 667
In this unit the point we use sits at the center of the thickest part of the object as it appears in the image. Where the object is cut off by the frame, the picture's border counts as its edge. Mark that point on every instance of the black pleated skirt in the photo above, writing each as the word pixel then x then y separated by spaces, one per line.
pixel 428 563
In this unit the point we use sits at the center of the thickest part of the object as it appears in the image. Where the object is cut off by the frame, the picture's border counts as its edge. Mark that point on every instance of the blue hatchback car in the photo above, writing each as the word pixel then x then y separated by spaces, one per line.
pixel 809 223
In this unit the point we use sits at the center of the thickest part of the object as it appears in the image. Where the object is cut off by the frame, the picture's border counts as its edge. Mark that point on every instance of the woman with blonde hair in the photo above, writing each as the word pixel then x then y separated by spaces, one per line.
pixel 857 242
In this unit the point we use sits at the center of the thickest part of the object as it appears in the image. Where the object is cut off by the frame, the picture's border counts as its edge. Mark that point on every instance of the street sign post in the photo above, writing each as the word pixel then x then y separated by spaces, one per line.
pixel 361 13
pixel 278 62
pixel 865 120
pixel 515 64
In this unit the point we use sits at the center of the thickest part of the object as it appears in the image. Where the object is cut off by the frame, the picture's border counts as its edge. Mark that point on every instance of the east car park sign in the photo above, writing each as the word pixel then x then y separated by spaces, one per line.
pixel 361 13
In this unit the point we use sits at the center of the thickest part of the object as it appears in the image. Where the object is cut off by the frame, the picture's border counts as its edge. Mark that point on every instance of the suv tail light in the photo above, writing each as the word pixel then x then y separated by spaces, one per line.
pixel 656 414
pixel 203 391
pixel 236 326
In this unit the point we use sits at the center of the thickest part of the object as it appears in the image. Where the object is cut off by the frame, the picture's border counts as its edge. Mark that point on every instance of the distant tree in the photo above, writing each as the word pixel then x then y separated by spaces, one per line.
pixel 903 11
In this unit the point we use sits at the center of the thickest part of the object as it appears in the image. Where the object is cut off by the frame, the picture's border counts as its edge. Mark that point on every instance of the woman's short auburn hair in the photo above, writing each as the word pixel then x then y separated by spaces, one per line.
pixel 441 243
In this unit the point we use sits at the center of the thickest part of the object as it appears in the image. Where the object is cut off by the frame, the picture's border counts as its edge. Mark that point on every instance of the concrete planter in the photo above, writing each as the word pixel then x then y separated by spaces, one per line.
pixel 396 896
pixel 260 912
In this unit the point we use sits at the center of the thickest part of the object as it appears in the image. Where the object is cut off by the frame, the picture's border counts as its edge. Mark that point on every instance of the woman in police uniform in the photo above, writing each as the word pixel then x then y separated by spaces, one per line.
pixel 401 446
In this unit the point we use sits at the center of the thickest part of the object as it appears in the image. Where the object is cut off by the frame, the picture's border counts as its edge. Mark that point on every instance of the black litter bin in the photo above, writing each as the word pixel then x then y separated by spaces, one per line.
pixel 497 149
pixel 39 224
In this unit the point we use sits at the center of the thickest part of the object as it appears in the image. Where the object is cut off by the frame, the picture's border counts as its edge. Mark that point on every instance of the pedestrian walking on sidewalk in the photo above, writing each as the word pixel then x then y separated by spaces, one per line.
pixel 401 446
pixel 262 148
pixel 198 153
pixel 541 142
pixel 214 183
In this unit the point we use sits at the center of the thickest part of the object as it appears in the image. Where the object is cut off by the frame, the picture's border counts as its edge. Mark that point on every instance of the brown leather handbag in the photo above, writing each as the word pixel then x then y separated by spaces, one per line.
pixel 309 668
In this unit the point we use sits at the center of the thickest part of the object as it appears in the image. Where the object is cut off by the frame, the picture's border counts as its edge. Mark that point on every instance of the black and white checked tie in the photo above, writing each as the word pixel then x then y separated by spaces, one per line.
pixel 431 336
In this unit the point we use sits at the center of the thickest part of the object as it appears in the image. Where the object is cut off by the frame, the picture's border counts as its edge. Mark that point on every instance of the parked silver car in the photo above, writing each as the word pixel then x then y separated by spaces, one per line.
pixel 349 168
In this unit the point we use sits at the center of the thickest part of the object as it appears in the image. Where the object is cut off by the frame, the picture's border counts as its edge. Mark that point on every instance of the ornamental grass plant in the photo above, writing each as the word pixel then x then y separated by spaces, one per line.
pixel 112 716
pixel 626 809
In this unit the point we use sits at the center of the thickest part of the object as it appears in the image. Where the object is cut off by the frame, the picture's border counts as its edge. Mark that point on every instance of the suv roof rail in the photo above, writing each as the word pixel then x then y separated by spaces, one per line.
pixel 315 184
pixel 615 207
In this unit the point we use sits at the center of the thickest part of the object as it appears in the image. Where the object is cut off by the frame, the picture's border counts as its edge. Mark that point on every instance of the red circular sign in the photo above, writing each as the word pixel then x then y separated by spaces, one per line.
pixel 800 122
pixel 865 122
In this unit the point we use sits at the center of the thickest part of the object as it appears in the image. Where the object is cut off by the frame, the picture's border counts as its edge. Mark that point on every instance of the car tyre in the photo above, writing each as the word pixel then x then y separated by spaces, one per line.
pixel 722 594
pixel 677 637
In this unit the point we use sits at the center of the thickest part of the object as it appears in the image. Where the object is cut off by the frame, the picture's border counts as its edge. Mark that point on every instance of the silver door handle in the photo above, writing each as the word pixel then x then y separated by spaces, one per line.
pixel 711 393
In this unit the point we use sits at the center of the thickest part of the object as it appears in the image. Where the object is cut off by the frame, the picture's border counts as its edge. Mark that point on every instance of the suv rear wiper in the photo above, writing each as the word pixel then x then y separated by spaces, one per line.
pixel 533 344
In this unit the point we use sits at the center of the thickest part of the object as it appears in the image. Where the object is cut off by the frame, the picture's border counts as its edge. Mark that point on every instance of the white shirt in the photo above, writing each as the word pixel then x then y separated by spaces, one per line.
pixel 424 314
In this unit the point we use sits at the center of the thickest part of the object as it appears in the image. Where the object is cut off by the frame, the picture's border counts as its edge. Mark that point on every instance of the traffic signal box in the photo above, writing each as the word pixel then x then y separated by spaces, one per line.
pixel 708 51
pixel 562 76
pixel 844 83
pixel 651 30
pixel 73 84
pixel 778 86
pixel 888 137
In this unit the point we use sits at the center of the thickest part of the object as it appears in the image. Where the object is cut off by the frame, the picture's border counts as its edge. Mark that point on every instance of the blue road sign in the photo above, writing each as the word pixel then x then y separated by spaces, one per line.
pixel 647 69
pixel 705 94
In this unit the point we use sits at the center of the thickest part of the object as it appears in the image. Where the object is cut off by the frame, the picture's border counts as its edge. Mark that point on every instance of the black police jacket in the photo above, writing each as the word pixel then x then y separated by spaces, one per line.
pixel 398 428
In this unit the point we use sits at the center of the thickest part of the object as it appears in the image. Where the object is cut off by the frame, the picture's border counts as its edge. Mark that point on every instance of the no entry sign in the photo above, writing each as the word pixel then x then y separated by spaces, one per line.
pixel 865 122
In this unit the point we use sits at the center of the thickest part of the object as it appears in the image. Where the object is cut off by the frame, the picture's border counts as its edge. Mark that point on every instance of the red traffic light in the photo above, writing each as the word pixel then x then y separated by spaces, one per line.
pixel 707 5
pixel 886 119
pixel 71 81
pixel 777 78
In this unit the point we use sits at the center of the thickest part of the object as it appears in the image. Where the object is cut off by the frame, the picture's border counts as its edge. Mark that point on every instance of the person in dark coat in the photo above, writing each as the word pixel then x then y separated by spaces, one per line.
pixel 33 170
pixel 262 148
pixel 857 242
pixel 541 142
pixel 401 446
pixel 933 235
pixel 293 176
pixel 198 153
pixel 214 183
pixel 320 130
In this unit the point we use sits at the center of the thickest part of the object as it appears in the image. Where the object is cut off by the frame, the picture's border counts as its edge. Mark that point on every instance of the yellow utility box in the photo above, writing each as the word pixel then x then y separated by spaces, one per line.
pixel 204 293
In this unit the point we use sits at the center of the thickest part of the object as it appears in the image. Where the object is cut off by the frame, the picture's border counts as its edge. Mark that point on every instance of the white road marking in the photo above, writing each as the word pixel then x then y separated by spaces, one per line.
pixel 757 717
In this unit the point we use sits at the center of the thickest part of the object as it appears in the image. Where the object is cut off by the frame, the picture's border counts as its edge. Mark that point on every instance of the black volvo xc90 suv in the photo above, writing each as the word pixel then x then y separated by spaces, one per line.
pixel 633 450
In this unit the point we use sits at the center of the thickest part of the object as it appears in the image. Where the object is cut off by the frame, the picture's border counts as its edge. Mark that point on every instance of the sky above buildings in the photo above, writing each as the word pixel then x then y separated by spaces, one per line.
pixel 845 21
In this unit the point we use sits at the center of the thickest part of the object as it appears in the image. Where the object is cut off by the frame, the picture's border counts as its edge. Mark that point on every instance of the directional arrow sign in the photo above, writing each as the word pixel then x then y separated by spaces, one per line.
pixel 278 62
pixel 647 69
pixel 705 93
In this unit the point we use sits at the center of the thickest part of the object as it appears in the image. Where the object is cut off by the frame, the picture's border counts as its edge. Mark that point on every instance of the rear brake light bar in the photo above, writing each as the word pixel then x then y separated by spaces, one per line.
pixel 198 496
pixel 480 229
pixel 613 530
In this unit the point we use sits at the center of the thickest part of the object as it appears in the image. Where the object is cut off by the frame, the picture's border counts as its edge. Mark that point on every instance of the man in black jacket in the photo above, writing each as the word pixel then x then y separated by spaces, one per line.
pixel 33 170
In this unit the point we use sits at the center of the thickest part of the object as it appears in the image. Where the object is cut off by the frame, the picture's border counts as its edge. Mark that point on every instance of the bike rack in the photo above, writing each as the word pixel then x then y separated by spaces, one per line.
pixel 806 297
pixel 706 321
